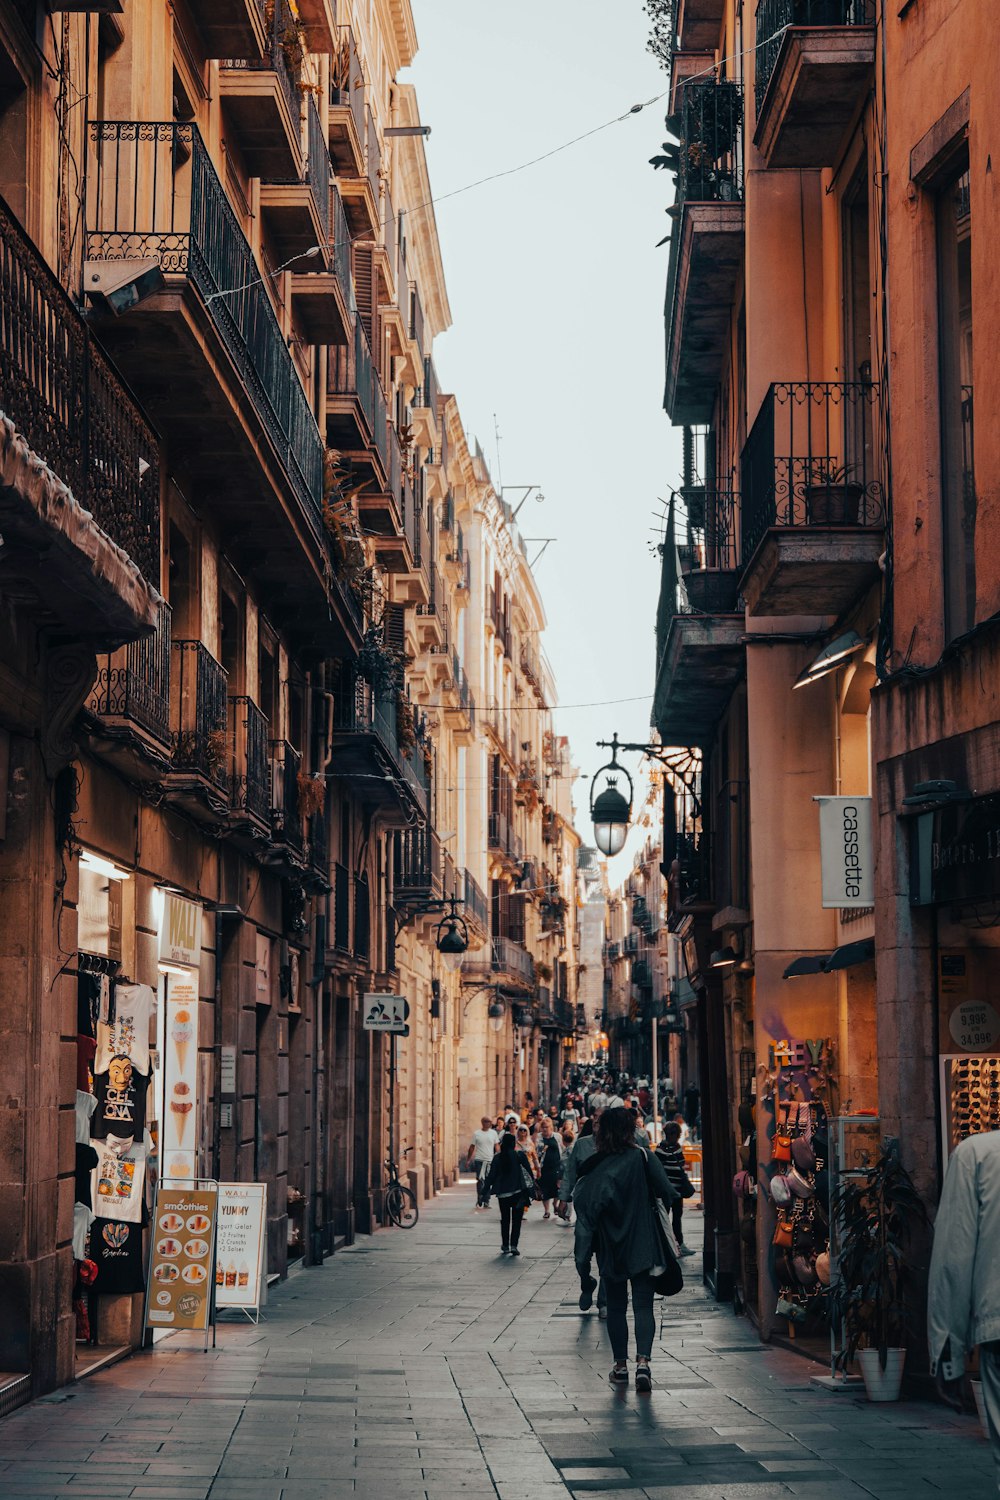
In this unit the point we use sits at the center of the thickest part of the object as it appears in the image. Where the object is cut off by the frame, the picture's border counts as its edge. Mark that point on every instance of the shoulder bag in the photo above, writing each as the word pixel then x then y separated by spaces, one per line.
pixel 665 1273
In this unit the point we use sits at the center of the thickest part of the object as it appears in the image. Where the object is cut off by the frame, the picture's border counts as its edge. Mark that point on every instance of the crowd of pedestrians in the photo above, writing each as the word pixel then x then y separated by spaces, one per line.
pixel 594 1161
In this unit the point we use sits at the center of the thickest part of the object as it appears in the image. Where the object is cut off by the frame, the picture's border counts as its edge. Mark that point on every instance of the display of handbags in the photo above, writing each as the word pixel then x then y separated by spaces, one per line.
pixel 799 1187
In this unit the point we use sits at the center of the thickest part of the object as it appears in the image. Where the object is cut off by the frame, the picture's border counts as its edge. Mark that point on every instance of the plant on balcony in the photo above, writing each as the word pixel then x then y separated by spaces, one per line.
pixel 340 70
pixel 661 31
pixel 380 666
pixel 832 497
pixel 312 794
pixel 406 727
pixel 544 972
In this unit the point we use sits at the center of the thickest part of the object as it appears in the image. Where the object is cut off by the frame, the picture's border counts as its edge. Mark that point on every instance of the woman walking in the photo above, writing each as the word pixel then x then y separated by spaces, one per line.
pixel 564 1208
pixel 507 1178
pixel 614 1219
pixel 550 1161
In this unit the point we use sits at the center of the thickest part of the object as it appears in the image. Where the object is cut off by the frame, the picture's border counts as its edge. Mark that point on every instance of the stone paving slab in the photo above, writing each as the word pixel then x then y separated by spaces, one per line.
pixel 422 1366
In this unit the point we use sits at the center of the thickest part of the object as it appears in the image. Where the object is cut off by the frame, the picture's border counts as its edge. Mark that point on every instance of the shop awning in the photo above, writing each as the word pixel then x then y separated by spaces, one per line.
pixel 844 957
pixel 809 963
pixel 849 954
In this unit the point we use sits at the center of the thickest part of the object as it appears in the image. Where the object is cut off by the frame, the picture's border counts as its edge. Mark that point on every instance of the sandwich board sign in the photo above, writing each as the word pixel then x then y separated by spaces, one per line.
pixel 385 1013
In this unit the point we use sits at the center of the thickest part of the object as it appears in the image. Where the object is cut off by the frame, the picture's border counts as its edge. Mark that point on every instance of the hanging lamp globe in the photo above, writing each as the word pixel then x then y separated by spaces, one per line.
pixel 610 810
pixel 452 939
pixel 496 1014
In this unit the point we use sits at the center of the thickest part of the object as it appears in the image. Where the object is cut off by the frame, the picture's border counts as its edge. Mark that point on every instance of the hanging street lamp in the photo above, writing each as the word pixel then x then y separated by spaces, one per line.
pixel 610 811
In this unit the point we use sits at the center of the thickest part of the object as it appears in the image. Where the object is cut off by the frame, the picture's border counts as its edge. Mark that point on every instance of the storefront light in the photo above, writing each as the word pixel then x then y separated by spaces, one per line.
pixel 724 958
pixel 173 969
pixel 830 658
pixel 101 866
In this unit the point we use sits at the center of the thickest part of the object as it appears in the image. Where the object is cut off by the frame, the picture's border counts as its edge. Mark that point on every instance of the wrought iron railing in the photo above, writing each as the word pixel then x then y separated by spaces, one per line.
pixel 706 536
pixel 810 459
pixel 711 150
pixel 133 684
pixel 775 16
pixel 251 788
pixel 340 244
pixel 359 710
pixel 318 165
pixel 362 919
pixel 380 420
pixel 373 153
pixel 509 957
pixel 286 818
pixel 429 393
pixel 642 973
pixel 198 712
pixel 687 847
pixel 416 317
pixel 418 866
pixel 389 231
pixel 154 194
pixel 448 511
pixel 476 904
pixel 277 59
pixel 63 396
pixel 341 908
pixel 350 372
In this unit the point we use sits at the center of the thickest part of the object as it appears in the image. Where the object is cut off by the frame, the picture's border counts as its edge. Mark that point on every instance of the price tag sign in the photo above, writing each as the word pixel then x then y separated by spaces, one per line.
pixel 975 1026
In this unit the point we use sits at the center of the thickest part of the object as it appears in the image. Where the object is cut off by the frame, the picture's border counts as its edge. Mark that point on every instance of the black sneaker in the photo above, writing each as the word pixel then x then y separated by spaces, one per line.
pixel 504 1249
pixel 643 1379
pixel 514 1250
pixel 587 1293
pixel 618 1377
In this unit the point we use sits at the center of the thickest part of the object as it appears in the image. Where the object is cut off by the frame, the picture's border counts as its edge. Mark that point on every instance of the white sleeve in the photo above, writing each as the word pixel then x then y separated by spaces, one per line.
pixel 949 1291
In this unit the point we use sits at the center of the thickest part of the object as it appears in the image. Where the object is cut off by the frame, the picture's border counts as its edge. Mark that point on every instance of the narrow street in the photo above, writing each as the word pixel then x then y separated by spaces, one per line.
pixel 422 1364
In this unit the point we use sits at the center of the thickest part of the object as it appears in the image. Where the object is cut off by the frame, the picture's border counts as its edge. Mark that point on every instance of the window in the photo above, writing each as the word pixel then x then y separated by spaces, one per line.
pixel 958 490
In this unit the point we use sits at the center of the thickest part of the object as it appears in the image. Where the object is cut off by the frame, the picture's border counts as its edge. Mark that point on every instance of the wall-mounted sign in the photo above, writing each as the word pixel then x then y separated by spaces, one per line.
pixel 955 853
pixel 227 1070
pixel 385 1013
pixel 180 931
pixel 807 1053
pixel 179 1126
pixel 974 1026
pixel 846 854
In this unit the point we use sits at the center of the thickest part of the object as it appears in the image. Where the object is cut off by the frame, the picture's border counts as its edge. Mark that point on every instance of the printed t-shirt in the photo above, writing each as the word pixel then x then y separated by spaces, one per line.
pixel 121 1101
pixel 120 1179
pixel 116 1248
pixel 129 1036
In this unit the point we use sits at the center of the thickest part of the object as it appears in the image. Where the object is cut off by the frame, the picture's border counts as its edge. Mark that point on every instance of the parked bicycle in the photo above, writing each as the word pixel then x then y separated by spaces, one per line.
pixel 400 1201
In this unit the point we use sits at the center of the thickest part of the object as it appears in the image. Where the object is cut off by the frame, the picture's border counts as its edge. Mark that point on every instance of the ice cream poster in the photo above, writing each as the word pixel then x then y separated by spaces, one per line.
pixel 180 1078
pixel 182 1235
pixel 239 1261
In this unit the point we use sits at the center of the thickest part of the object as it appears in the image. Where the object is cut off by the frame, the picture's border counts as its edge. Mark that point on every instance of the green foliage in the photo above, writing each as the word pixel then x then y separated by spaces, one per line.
pixel 877 1216
pixel 661 32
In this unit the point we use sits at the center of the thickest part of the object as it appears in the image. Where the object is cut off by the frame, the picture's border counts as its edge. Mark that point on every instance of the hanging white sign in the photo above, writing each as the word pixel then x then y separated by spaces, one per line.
pixel 846 852
pixel 180 931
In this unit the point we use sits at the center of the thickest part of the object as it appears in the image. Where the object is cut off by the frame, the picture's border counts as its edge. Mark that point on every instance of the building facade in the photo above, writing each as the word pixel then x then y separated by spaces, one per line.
pixel 827 586
pixel 242 771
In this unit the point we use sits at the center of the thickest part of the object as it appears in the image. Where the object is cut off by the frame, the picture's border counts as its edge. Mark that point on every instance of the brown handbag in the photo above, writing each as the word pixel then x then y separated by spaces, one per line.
pixel 783 1231
pixel 781 1146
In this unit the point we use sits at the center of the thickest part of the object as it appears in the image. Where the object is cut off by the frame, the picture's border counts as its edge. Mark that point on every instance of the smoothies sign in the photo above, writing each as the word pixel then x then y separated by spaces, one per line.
pixel 239 1263
pixel 181 1258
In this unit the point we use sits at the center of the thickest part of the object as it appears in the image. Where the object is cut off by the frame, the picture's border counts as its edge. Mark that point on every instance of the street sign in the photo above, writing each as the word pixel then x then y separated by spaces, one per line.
pixel 385 1013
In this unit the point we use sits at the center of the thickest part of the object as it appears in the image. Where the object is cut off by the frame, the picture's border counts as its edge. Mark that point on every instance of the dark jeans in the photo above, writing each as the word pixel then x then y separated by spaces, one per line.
pixel 511 1214
pixel 642 1312
pixel 677 1217
pixel 482 1167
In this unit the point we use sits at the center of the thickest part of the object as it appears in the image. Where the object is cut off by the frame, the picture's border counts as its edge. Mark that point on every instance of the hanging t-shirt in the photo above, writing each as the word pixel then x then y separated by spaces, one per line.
pixel 83 1217
pixel 86 1161
pixel 116 1248
pixel 120 1178
pixel 85 1106
pixel 121 1100
pixel 128 1035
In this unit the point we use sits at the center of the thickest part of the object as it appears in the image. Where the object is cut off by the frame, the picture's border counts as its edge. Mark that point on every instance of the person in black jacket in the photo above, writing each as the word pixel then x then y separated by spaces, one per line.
pixel 550 1162
pixel 507 1179
pixel 671 1154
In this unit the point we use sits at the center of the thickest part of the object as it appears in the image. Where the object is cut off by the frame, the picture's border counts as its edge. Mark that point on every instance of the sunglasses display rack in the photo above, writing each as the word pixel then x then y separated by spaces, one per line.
pixel 970 1096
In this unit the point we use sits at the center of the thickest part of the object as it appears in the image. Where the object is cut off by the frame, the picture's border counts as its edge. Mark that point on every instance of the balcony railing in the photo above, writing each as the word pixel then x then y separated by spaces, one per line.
pixel 642 974
pixel 340 248
pixel 476 904
pixel 418 867
pixel 251 787
pixel 341 908
pixel 199 708
pixel 775 16
pixel 429 394
pixel 347 81
pixel 505 957
pixel 276 58
pixel 133 684
pixel 711 150
pixel 686 849
pixel 154 194
pixel 709 553
pixel 286 819
pixel 373 153
pixel 810 459
pixel 63 397
pixel 416 318
pixel 358 710
pixel 318 165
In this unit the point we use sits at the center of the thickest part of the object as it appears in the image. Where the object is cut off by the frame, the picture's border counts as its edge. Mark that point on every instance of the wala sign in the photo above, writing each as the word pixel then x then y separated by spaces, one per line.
pixel 846 854
pixel 180 932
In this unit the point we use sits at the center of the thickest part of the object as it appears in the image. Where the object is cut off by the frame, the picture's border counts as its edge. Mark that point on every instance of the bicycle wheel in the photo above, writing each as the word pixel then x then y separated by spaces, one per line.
pixel 401 1206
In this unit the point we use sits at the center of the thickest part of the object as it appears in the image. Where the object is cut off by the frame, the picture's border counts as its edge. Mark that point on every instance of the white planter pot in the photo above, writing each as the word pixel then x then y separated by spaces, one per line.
pixel 882 1385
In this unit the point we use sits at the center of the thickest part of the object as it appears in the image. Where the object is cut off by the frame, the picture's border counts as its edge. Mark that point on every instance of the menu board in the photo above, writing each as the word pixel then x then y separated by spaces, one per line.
pixel 239 1256
pixel 181 1260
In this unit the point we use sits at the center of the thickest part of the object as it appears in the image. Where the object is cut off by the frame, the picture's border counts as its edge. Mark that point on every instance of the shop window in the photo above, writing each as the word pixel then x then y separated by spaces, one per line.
pixel 958 488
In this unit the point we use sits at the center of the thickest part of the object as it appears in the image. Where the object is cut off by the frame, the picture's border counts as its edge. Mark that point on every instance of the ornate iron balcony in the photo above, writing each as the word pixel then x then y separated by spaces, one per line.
pixel 133 685
pixel 810 459
pixel 198 712
pixel 63 396
pixel 711 151
pixel 251 784
pixel 286 819
pixel 775 16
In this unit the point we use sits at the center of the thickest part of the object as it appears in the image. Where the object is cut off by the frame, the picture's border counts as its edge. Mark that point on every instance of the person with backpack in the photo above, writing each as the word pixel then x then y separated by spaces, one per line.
pixel 615 1219
pixel 671 1154
pixel 510 1180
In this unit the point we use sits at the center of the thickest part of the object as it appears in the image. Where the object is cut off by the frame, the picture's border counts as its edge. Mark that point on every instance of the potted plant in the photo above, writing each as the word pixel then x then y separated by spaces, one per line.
pixel 877 1216
pixel 832 498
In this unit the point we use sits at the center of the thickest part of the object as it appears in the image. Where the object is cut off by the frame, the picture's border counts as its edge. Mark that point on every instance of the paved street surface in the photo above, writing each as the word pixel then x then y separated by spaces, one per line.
pixel 421 1364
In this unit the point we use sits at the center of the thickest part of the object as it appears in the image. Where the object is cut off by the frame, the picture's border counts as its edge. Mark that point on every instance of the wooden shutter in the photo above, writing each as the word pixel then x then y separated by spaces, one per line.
pixel 394 624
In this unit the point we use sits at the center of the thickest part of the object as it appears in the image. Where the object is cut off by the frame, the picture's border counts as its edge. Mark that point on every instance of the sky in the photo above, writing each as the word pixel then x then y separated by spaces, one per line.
pixel 556 289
